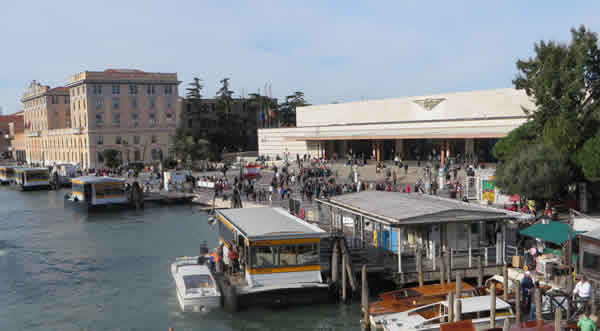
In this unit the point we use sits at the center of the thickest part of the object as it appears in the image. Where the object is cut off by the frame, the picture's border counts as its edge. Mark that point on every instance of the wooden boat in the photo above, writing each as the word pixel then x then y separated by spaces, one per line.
pixel 32 178
pixel 433 316
pixel 409 298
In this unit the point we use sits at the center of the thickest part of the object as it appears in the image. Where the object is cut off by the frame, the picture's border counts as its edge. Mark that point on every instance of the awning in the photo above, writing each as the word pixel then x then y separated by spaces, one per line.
pixel 554 232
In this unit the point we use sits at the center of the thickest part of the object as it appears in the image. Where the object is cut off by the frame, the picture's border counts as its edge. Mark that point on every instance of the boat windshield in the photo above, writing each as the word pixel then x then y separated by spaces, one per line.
pixel 197 281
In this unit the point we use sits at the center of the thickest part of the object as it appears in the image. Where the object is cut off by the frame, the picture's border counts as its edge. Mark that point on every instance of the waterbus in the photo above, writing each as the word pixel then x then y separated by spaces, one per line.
pixel 7 174
pixel 32 178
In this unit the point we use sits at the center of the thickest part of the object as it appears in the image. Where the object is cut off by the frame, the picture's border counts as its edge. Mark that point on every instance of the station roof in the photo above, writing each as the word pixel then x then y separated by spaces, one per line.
pixel 269 223
pixel 94 179
pixel 397 208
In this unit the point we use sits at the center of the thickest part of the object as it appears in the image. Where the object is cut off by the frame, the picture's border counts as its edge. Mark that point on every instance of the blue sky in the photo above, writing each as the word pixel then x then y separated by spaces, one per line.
pixel 330 50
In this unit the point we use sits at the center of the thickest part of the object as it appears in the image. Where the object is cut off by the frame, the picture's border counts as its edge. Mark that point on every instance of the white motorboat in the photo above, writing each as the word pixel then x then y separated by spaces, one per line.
pixel 430 317
pixel 196 287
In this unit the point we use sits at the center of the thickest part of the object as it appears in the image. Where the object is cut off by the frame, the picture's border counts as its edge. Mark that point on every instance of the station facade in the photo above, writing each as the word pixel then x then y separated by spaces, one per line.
pixel 433 127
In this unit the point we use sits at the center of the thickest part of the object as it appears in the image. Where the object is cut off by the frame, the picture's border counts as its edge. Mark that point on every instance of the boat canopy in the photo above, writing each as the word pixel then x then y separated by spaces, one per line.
pixel 264 223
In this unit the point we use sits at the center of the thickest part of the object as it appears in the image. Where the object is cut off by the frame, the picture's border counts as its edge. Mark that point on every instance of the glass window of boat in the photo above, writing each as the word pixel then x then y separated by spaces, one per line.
pixel 109 190
pixel 76 187
pixel 284 255
pixel 287 255
pixel 197 281
pixel 428 312
pixel 263 256
pixel 308 254
pixel 38 175
pixel 225 233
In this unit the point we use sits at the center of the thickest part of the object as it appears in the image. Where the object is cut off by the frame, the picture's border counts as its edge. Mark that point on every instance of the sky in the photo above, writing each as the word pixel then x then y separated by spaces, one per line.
pixel 333 51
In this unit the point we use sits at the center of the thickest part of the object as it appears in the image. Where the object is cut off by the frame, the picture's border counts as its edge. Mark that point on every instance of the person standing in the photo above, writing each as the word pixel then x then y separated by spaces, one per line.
pixel 583 290
pixel 526 289
pixel 585 323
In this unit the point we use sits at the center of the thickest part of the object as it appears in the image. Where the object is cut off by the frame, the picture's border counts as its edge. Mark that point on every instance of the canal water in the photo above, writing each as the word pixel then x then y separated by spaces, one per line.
pixel 61 270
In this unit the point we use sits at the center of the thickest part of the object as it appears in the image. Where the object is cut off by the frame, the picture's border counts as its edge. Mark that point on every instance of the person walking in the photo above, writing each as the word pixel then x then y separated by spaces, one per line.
pixel 585 323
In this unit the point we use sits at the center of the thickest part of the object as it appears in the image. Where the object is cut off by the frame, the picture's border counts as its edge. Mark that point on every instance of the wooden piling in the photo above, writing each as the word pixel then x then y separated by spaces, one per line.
pixel 450 306
pixel 518 302
pixel 480 272
pixel 420 267
pixel 335 261
pixel 538 304
pixel 349 270
pixel 449 265
pixel 344 277
pixel 365 298
pixel 506 285
pixel 506 325
pixel 492 305
pixel 442 270
pixel 557 319
pixel 458 285
pixel 593 298
pixel 458 313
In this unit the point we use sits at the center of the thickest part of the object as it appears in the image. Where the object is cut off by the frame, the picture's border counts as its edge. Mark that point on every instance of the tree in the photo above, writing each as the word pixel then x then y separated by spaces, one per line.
pixel 111 158
pixel 589 158
pixel 189 147
pixel 537 172
pixel 516 140
pixel 194 91
pixel 261 104
pixel 287 110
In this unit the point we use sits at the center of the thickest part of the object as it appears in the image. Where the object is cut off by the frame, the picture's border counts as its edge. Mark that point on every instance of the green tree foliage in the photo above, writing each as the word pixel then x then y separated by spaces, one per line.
pixel 111 158
pixel 515 141
pixel 287 110
pixel 563 81
pixel 589 158
pixel 194 91
pixel 189 147
pixel 537 172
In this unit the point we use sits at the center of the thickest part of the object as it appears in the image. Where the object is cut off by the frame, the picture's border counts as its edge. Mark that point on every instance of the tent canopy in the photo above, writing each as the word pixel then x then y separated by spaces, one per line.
pixel 554 232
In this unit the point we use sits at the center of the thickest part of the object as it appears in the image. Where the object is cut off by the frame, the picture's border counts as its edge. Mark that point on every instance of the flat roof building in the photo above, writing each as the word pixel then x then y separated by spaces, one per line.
pixel 442 125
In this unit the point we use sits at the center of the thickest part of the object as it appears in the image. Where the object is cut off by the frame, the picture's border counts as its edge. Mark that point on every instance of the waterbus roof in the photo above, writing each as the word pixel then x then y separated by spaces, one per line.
pixel 31 169
pixel 264 223
pixel 95 180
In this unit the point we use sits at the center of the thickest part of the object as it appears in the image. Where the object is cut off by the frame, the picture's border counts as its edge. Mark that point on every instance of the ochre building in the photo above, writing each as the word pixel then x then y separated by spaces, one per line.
pixel 130 111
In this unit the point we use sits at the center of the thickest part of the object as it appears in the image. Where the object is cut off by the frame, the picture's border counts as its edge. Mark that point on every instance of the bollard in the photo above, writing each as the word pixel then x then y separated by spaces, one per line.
pixel 480 272
pixel 442 270
pixel 557 319
pixel 420 267
pixel 450 307
pixel 538 304
pixel 506 325
pixel 458 313
pixel 506 285
pixel 458 285
pixel 492 305
pixel 518 302
pixel 365 298
pixel 344 277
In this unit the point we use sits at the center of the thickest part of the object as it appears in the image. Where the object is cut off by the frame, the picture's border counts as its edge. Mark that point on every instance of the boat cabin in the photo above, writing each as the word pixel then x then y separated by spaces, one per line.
pixel 7 174
pixel 279 250
pixel 32 178
pixel 97 191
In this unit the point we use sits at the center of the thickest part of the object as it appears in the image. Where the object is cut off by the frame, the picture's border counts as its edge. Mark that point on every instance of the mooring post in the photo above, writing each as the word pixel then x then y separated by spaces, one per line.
pixel 420 266
pixel 538 304
pixel 506 324
pixel 335 260
pixel 518 301
pixel 480 272
pixel 492 305
pixel 442 270
pixel 506 285
pixel 458 313
pixel 557 319
pixel 450 306
pixel 344 277
pixel 365 298
pixel 458 285
pixel 449 269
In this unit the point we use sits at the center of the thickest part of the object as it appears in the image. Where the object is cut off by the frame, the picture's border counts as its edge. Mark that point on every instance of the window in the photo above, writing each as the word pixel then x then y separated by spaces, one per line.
pixel 133 89
pixel 118 140
pixel 194 283
pixel 262 257
pixel 134 116
pixel 97 89
pixel 153 139
pixel 136 155
pixel 150 89
pixel 134 103
pixel 116 89
pixel 287 255
pixel 66 99
pixel 190 124
pixel 169 116
pixel 591 262
pixel 308 254
pixel 169 103
pixel 168 89
pixel 156 154
pixel 99 119
pixel 116 103
pixel 99 102
pixel 100 140
pixel 54 99
pixel 116 119
pixel 152 102
pixel 136 140
pixel 153 120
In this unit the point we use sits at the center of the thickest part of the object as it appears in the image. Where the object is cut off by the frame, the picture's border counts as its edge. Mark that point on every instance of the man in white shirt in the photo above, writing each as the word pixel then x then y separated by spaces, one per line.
pixel 583 289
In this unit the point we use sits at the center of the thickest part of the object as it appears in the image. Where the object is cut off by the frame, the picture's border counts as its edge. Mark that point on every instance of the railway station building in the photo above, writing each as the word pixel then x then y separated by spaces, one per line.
pixel 415 128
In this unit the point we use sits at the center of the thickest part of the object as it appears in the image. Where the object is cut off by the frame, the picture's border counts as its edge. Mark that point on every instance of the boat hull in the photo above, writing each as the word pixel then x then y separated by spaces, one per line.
pixel 203 304
pixel 82 206
pixel 284 297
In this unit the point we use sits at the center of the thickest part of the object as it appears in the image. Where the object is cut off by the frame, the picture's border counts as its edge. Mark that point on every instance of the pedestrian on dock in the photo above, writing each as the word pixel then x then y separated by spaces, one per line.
pixel 532 316
pixel 585 323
